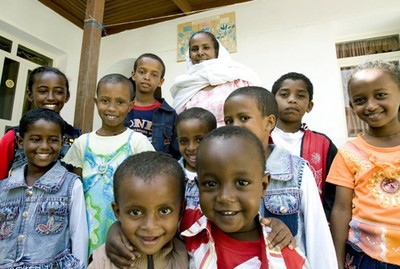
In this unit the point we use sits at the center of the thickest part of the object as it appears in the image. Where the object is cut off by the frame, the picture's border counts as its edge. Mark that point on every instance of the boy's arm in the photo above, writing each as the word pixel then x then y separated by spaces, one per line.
pixel 118 248
pixel 7 149
pixel 319 247
pixel 340 219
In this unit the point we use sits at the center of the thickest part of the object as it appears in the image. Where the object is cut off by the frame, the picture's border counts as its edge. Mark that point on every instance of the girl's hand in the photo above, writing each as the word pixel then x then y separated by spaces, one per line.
pixel 280 235
pixel 118 248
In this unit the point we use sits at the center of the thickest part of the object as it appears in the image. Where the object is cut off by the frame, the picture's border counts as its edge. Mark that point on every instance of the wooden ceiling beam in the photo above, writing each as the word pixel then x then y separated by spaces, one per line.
pixel 183 5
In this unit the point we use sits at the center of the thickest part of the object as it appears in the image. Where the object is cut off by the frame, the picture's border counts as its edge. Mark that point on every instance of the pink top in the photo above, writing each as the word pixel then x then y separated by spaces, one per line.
pixel 213 100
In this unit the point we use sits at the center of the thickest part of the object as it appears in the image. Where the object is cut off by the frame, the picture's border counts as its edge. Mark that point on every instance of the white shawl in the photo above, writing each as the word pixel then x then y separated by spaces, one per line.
pixel 211 72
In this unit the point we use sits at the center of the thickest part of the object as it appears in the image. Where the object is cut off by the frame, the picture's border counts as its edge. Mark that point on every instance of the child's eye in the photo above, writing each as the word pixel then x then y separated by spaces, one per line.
pixel 358 101
pixel 243 182
pixel 283 94
pixel 381 95
pixel 136 212
pixel 244 118
pixel 183 142
pixel 42 91
pixel 54 140
pixel 301 96
pixel 198 140
pixel 228 121
pixel 165 211
pixel 34 139
pixel 210 184
pixel 60 92
pixel 155 75
pixel 104 101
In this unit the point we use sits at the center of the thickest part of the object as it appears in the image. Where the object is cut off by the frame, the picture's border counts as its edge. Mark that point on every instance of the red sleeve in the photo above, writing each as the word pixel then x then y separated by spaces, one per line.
pixel 7 155
pixel 190 216
pixel 292 258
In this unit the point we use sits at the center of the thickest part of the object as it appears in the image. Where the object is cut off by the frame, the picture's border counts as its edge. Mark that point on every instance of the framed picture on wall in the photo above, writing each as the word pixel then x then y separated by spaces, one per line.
pixel 222 26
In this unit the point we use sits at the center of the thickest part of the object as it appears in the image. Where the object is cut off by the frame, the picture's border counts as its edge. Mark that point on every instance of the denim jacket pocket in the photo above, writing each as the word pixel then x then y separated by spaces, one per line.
pixel 283 203
pixel 51 216
pixel 8 216
pixel 167 132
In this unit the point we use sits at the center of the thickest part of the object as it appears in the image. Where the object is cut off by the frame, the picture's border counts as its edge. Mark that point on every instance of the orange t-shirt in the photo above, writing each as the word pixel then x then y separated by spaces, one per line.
pixel 374 175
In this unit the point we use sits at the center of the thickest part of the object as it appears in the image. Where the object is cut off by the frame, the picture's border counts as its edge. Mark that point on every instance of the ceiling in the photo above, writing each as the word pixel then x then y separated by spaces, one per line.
pixel 121 15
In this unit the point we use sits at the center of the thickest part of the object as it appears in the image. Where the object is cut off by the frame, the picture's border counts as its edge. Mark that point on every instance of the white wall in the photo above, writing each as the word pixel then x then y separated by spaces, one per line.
pixel 273 38
pixel 35 26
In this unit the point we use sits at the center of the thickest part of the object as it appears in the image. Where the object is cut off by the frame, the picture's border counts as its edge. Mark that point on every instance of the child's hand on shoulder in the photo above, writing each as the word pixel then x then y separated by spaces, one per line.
pixel 119 250
pixel 279 235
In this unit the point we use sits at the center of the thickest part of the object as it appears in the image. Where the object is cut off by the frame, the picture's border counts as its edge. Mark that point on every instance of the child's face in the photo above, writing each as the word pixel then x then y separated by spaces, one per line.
pixel 293 101
pixel 375 98
pixel 147 75
pixel 113 104
pixel 42 144
pixel 242 111
pixel 149 212
pixel 231 184
pixel 202 48
pixel 190 133
pixel 49 90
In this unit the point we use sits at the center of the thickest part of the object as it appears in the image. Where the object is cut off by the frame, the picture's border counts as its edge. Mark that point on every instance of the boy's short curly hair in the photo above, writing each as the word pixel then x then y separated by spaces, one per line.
pixel 294 76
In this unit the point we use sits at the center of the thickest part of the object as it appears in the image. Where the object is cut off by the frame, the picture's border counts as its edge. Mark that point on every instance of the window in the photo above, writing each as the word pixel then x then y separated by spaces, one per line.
pixel 352 53
pixel 368 46
pixel 5 44
pixel 33 56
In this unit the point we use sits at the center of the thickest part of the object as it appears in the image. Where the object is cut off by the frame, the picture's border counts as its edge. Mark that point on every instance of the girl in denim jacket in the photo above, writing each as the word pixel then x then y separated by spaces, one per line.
pixel 42 209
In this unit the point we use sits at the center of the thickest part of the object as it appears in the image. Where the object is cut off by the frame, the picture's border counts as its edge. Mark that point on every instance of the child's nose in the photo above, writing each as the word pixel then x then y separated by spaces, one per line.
pixel 50 95
pixel 192 145
pixel 371 105
pixel 150 222
pixel 225 195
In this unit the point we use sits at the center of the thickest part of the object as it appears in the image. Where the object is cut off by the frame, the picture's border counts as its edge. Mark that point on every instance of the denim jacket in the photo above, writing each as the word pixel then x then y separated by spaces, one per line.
pixel 34 221
pixel 70 135
pixel 192 194
pixel 164 132
pixel 283 196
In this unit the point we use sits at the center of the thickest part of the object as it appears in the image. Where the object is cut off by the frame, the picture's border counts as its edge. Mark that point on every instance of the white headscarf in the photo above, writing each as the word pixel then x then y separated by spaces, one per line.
pixel 211 72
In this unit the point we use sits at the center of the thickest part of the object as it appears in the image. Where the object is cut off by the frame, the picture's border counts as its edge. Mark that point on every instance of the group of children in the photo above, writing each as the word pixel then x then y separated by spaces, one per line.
pixel 264 166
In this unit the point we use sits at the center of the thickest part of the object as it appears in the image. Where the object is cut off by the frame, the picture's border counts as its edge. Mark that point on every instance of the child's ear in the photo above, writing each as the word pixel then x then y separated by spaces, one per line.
pixel 269 123
pixel 20 142
pixel 265 181
pixel 29 95
pixel 67 97
pixel 115 208
pixel 161 82
pixel 310 106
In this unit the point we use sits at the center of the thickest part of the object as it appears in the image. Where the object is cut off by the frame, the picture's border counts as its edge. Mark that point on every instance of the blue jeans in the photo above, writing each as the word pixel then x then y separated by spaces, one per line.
pixel 356 259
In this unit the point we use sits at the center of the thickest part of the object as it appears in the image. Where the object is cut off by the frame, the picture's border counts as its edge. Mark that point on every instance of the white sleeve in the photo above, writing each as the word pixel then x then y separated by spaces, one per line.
pixel 140 143
pixel 75 154
pixel 78 226
pixel 319 244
